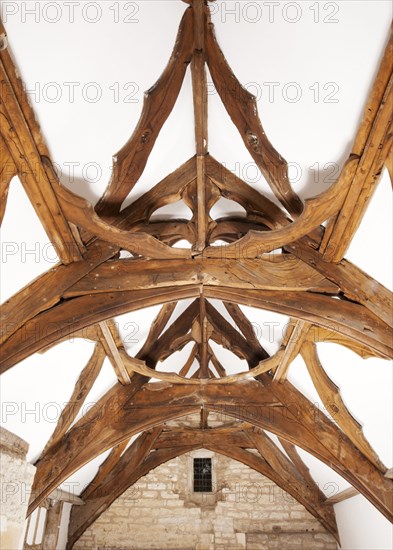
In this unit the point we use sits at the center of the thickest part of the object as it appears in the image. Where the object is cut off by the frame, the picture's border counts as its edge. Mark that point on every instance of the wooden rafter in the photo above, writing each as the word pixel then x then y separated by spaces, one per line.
pixel 332 400
pixel 371 148
pixel 350 319
pixel 7 172
pixel 24 142
pixel 159 101
pixel 112 351
pixel 82 387
pixel 301 467
pixel 278 408
pixel 296 334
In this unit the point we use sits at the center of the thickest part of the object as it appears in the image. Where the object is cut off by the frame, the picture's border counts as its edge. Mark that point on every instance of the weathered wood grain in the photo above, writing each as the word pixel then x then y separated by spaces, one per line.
pixel 327 298
pixel 24 142
pixel 112 352
pixel 349 319
pixel 296 334
pixel 315 212
pixel 159 101
pixel 331 398
pixel 82 388
pixel 372 146
pixel 295 420
pixel 277 272
pixel 7 172
pixel 302 468
pixel 242 108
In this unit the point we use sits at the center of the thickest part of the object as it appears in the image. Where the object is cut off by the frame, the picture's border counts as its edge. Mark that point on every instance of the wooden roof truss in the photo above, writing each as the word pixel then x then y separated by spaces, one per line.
pixel 328 298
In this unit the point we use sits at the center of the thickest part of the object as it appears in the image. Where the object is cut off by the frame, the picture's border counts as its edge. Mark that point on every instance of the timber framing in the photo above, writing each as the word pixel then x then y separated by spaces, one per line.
pixel 228 260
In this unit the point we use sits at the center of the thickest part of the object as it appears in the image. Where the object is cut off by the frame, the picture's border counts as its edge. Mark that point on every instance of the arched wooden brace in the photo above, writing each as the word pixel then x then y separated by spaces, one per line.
pixel 291 416
pixel 242 107
pixel 48 289
pixel 159 101
pixel 69 316
pixel 124 475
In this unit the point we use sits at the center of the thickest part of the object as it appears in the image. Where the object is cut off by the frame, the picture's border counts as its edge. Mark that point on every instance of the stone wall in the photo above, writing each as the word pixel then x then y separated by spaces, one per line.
pixel 246 511
pixel 16 477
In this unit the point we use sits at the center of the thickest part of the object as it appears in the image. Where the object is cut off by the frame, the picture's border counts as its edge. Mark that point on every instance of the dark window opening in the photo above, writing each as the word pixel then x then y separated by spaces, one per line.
pixel 203 475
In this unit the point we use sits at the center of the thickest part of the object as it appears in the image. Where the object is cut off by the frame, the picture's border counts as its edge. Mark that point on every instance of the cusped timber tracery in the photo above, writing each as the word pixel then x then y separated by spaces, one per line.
pixel 327 298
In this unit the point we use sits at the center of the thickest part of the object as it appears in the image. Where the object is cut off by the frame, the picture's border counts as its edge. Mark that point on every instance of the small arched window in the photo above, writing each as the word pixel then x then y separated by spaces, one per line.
pixel 203 475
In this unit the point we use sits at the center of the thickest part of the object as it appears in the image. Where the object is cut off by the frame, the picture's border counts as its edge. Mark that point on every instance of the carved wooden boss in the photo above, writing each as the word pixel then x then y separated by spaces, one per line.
pixel 327 297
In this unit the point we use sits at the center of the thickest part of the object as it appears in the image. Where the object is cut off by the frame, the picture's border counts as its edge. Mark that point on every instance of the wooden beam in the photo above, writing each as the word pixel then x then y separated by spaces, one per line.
pixel 208 377
pixel 112 352
pixel 169 190
pixel 277 408
pixel 157 327
pixel 200 97
pixel 288 394
pixel 281 272
pixel 188 364
pixel 216 363
pixel 258 206
pixel 22 136
pixel 168 342
pixel 389 473
pixel 343 495
pixel 48 289
pixel 330 313
pixel 242 107
pixel 301 467
pixel 344 317
pixel 7 172
pixel 389 165
pixel 371 148
pixel 320 334
pixel 246 328
pixel 356 285
pixel 82 388
pixel 278 461
pixel 81 213
pixel 105 468
pixel 159 101
pixel 229 437
pixel 230 337
pixel 296 334
pixel 332 400
pixel 316 211
pixel 204 338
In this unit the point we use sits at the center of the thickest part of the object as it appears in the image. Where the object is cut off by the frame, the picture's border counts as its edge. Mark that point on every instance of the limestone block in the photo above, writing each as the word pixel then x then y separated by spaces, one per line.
pixel 16 478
